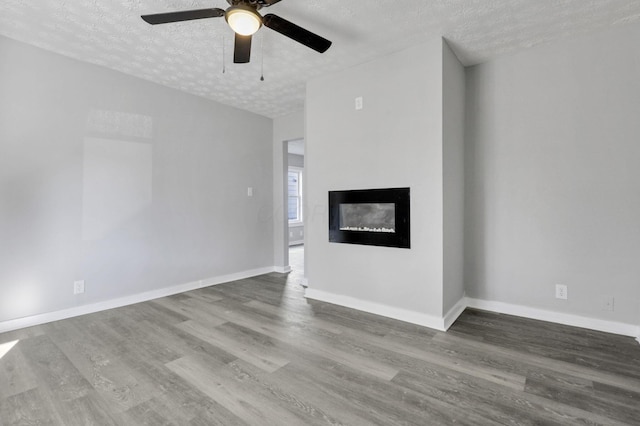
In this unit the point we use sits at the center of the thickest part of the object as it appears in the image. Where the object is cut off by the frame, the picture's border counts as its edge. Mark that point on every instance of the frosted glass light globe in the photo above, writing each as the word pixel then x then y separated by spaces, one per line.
pixel 243 21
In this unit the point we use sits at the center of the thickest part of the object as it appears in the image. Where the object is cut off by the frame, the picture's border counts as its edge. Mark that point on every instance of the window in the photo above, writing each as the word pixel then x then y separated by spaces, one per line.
pixel 294 189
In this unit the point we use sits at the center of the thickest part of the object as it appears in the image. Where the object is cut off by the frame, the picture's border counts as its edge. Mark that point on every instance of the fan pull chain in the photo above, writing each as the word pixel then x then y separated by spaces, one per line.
pixel 262 58
pixel 224 60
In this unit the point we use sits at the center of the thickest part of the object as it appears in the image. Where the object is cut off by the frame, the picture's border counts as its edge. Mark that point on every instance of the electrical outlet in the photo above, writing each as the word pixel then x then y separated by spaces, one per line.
pixel 78 287
pixel 561 292
pixel 608 303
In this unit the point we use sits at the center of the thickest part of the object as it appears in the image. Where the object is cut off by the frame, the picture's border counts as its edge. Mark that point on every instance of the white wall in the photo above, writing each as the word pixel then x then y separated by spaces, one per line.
pixel 125 184
pixel 395 141
pixel 287 128
pixel 453 89
pixel 553 177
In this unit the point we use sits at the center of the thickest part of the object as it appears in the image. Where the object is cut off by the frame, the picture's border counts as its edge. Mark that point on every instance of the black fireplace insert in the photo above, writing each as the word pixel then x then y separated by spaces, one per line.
pixel 378 217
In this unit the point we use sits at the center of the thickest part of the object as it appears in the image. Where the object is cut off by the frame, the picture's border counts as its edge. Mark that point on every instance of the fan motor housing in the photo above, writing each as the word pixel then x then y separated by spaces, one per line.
pixel 255 4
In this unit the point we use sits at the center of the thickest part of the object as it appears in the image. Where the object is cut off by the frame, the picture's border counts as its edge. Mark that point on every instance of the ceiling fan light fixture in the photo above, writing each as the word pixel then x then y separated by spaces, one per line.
pixel 244 20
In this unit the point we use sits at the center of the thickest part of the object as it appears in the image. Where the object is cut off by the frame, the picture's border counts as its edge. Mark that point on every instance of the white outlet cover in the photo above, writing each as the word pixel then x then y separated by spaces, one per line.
pixel 359 104
pixel 561 291
pixel 78 287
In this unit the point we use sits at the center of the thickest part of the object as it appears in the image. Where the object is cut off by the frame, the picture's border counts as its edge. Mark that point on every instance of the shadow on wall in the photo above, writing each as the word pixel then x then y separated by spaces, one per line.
pixel 117 174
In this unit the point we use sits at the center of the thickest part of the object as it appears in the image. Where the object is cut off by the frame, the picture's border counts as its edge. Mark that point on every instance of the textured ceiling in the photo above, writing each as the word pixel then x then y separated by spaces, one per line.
pixel 189 55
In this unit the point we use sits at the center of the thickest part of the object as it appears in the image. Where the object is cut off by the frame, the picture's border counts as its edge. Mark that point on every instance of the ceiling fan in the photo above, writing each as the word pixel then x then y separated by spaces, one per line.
pixel 244 19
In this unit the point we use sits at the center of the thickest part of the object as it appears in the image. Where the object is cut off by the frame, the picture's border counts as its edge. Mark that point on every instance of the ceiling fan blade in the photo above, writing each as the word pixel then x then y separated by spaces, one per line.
pixel 242 49
pixel 267 3
pixel 294 32
pixel 186 15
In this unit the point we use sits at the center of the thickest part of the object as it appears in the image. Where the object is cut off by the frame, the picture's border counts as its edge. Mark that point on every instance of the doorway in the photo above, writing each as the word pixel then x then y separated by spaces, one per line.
pixel 295 204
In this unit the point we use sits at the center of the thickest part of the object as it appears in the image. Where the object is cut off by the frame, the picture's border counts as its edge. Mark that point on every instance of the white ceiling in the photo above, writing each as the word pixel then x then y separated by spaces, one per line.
pixel 189 55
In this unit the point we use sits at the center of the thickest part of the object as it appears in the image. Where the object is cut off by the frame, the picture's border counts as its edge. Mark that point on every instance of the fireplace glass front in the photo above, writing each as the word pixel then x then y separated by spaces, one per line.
pixel 368 217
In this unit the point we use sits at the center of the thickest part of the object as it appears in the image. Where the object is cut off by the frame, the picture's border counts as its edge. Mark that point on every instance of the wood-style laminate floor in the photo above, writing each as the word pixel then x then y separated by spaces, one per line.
pixel 256 352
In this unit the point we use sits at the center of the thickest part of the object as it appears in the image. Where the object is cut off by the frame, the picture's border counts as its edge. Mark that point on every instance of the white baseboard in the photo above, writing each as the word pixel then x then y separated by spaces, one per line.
pixel 282 269
pixel 454 313
pixel 613 327
pixel 444 323
pixel 38 319
pixel 237 276
pixel 378 309
pixel 412 317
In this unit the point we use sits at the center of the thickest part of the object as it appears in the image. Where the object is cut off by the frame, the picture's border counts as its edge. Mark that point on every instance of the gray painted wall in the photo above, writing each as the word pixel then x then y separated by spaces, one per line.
pixel 453 89
pixel 553 182
pixel 125 184
pixel 395 141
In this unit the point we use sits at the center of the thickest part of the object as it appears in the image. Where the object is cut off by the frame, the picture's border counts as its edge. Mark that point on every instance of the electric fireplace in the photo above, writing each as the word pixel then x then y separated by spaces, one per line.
pixel 378 217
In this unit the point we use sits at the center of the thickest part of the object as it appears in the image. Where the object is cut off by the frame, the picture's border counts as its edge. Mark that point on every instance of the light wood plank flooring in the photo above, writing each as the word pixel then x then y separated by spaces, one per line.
pixel 256 352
